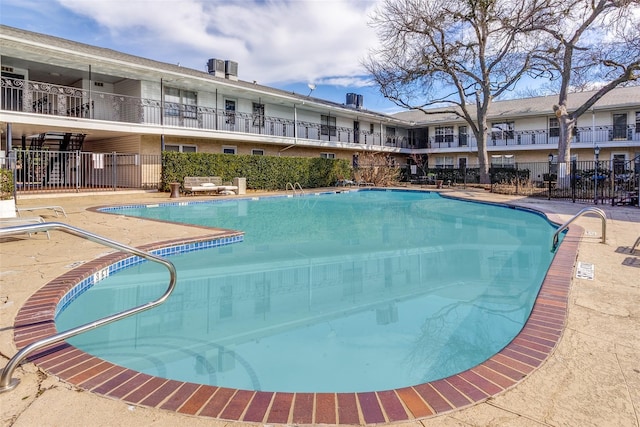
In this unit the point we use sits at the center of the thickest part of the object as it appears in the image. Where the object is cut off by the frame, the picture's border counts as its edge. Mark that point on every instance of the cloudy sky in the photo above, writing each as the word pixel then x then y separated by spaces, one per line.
pixel 286 44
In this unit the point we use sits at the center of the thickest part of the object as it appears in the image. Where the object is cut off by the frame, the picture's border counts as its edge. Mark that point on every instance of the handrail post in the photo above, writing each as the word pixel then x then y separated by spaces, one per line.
pixel 6 382
pixel 584 211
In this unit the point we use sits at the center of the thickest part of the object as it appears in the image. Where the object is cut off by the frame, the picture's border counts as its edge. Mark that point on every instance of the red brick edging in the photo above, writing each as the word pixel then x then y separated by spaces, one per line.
pixel 529 349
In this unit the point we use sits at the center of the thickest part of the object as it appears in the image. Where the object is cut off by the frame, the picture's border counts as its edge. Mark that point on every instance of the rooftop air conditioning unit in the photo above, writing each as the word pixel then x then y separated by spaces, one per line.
pixel 231 70
pixel 351 100
pixel 216 67
pixel 354 100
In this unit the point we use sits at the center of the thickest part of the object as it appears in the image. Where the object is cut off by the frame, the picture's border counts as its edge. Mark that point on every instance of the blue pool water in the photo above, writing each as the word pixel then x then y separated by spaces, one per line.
pixel 348 292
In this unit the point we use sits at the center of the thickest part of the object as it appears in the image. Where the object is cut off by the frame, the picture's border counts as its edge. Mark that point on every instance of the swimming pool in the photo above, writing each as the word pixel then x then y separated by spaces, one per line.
pixel 375 289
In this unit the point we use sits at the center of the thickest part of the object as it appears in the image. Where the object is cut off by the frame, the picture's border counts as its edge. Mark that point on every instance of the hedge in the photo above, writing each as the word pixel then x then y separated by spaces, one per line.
pixel 6 184
pixel 261 172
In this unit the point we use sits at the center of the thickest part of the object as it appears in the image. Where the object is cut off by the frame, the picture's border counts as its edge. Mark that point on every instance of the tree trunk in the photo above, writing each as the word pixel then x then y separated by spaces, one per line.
pixel 483 157
pixel 483 163
pixel 566 124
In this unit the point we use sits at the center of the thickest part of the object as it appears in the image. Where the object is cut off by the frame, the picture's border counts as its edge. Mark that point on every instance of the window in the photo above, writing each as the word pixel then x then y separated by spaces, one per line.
pixel 391 135
pixel 257 152
pixel 230 111
pixel 637 121
pixel 444 134
pixel 180 103
pixel 227 149
pixel 463 135
pixel 620 126
pixel 371 128
pixel 328 155
pixel 444 162
pixel 258 114
pixel 181 148
pixel 554 127
pixel 502 131
pixel 328 125
pixel 503 160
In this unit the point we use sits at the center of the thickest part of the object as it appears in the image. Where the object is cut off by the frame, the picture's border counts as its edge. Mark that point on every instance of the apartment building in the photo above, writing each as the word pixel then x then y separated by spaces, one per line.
pixel 112 109
pixel 526 130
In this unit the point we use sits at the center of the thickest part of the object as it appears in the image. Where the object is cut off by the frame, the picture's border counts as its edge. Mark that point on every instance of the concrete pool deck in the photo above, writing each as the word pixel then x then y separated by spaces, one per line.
pixel 592 376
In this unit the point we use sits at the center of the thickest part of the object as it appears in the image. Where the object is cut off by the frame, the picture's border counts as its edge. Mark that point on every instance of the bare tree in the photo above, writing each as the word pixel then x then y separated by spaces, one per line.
pixel 421 161
pixel 377 168
pixel 592 44
pixel 458 55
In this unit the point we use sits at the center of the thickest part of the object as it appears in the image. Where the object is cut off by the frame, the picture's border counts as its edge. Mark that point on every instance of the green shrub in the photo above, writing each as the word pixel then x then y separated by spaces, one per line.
pixel 6 184
pixel 261 172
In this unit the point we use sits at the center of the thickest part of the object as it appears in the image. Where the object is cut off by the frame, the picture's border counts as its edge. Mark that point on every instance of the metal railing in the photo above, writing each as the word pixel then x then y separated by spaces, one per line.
pixel 294 188
pixel 6 381
pixel 50 99
pixel 73 171
pixel 56 100
pixel 611 182
pixel 584 211
pixel 585 134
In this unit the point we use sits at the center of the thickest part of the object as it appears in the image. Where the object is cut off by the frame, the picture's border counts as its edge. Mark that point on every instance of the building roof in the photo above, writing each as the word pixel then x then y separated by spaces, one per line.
pixel 540 105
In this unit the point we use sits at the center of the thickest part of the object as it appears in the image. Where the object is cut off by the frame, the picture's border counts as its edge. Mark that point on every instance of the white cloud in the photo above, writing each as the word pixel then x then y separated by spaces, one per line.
pixel 273 41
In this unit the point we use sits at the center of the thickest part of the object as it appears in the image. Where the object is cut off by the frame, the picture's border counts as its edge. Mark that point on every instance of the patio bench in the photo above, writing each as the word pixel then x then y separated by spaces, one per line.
pixel 207 184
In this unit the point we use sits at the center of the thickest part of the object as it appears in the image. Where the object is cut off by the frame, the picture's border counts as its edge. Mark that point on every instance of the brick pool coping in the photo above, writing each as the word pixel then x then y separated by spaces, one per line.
pixel 522 356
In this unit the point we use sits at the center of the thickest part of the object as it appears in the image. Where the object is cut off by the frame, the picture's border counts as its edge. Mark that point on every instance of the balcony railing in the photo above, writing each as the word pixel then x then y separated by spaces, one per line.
pixel 597 134
pixel 50 99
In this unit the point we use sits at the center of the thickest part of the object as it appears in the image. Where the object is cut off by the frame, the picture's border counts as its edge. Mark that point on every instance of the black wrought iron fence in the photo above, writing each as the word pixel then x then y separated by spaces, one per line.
pixel 603 182
pixel 67 171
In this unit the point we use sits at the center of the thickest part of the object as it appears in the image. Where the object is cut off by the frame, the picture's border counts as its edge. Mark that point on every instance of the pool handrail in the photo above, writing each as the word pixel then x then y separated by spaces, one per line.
pixel 294 187
pixel 6 382
pixel 584 211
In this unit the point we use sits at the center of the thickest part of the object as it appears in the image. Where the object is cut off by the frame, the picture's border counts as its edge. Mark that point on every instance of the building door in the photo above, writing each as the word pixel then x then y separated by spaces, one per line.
pixel 620 126
pixel 12 93
pixel 356 132
pixel 619 161
pixel 463 136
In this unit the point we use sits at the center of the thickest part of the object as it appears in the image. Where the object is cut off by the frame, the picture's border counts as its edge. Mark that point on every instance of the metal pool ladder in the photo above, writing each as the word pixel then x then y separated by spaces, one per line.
pixel 584 211
pixel 6 382
pixel 294 187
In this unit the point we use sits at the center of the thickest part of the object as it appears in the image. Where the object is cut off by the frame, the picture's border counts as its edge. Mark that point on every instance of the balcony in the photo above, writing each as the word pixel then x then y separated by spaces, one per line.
pixel 586 135
pixel 62 101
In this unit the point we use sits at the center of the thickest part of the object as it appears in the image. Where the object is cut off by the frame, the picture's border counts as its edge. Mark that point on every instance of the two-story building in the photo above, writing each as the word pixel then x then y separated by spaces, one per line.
pixel 98 109
pixel 526 130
